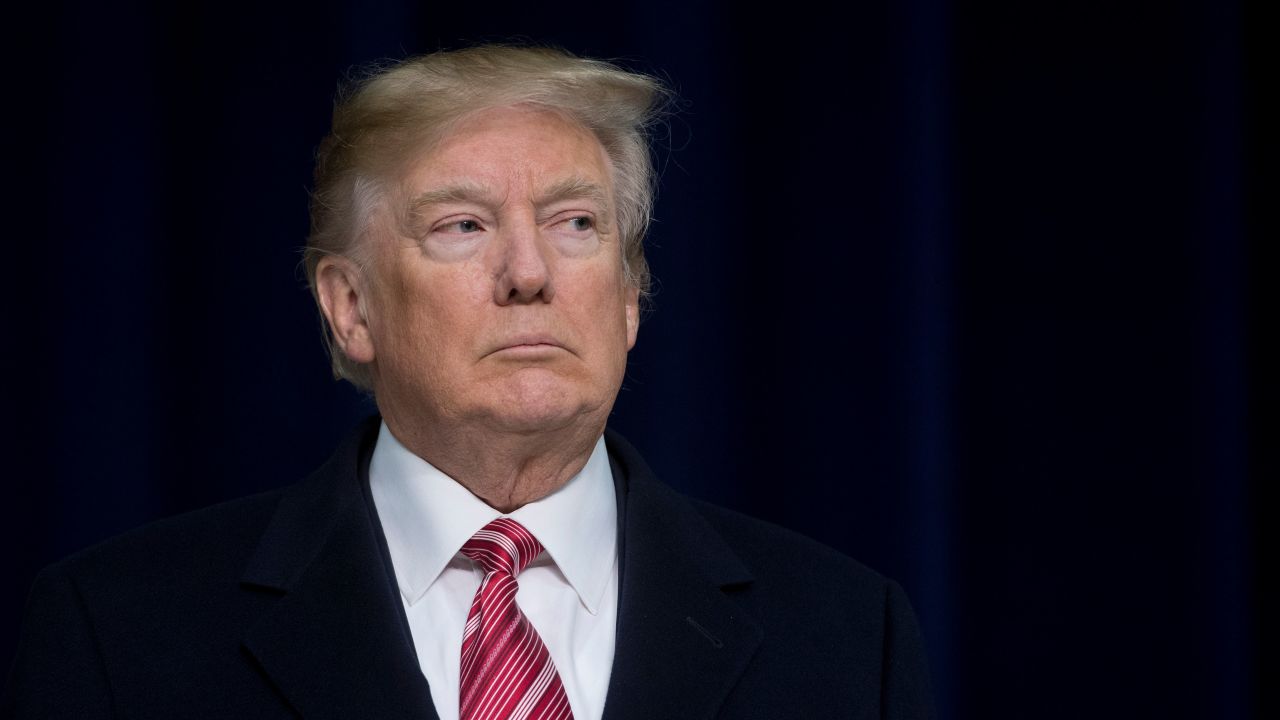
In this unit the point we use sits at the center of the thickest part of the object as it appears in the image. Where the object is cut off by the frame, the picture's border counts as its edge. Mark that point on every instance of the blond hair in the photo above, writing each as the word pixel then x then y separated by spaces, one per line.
pixel 400 110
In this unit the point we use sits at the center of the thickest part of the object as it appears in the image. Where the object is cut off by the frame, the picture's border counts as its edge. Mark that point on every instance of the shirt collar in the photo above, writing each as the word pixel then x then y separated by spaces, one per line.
pixel 427 516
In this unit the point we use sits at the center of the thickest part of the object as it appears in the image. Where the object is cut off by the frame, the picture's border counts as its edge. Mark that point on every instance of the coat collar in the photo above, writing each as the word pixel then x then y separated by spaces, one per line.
pixel 336 643
pixel 683 641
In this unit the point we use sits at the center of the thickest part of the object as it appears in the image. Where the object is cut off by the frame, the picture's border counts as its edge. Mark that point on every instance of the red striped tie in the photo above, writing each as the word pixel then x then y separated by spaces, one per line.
pixel 507 673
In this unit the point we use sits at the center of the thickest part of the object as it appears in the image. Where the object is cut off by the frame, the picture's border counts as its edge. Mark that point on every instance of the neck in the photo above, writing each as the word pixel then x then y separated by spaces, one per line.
pixel 505 470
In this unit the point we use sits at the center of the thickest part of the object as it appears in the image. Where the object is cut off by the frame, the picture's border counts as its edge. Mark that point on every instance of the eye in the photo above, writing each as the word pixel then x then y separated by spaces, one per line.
pixel 464 226
pixel 574 234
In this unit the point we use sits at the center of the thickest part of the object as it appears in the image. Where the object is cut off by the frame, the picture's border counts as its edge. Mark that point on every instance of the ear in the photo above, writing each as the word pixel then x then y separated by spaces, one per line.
pixel 338 289
pixel 633 314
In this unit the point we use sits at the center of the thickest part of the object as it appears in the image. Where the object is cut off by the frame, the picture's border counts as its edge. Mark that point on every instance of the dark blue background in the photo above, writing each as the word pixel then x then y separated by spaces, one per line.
pixel 972 291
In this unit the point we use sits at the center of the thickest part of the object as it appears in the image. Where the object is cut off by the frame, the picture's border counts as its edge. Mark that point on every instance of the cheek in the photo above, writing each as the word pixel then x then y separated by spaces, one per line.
pixel 606 312
pixel 433 315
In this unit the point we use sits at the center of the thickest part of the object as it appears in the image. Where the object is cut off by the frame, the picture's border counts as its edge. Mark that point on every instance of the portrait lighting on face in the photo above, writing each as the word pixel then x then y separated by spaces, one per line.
pixel 484 546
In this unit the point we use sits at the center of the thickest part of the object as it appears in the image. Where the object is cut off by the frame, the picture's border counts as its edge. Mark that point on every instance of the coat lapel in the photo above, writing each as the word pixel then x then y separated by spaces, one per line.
pixel 334 643
pixel 683 641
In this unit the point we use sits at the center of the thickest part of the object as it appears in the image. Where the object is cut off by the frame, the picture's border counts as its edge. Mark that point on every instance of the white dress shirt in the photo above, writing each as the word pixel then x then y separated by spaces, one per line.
pixel 569 593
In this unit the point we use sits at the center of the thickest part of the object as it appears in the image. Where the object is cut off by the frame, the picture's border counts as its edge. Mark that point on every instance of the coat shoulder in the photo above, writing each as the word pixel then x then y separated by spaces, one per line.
pixel 209 543
pixel 829 615
pixel 157 607
pixel 831 629
pixel 805 588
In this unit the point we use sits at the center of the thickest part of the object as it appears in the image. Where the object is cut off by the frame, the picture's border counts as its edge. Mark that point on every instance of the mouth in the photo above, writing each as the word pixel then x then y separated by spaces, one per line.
pixel 528 345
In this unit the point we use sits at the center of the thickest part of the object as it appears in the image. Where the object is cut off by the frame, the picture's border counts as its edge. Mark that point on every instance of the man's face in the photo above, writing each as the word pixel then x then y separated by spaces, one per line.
pixel 497 298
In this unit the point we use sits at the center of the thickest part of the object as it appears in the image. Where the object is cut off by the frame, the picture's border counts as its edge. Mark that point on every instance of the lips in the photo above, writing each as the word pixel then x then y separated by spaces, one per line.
pixel 531 339
pixel 528 342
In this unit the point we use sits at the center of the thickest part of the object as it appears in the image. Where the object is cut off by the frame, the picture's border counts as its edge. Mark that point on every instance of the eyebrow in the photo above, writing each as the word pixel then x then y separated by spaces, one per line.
pixel 572 188
pixel 462 192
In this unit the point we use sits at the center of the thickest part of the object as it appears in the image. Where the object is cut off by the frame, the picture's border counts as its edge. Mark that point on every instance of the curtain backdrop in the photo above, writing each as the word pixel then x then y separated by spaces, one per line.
pixel 964 290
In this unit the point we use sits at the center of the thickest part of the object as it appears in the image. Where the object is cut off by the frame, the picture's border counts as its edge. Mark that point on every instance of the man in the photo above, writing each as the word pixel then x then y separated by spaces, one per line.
pixel 485 549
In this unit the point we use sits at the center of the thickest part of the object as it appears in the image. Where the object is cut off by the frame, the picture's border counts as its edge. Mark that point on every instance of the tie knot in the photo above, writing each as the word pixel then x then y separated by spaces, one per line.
pixel 504 546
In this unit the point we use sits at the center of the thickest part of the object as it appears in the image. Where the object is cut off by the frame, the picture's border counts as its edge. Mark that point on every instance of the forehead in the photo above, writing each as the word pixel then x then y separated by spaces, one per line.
pixel 512 148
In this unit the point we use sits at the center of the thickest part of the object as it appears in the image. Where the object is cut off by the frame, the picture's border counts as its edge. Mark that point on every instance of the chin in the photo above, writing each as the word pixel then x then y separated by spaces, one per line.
pixel 539 406
pixel 526 419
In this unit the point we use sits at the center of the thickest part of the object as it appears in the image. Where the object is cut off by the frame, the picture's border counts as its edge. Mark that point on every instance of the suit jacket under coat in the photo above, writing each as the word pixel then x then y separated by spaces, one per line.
pixel 285 604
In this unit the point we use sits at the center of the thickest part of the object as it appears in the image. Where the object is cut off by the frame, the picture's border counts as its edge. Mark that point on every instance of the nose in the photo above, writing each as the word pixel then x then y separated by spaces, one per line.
pixel 525 267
